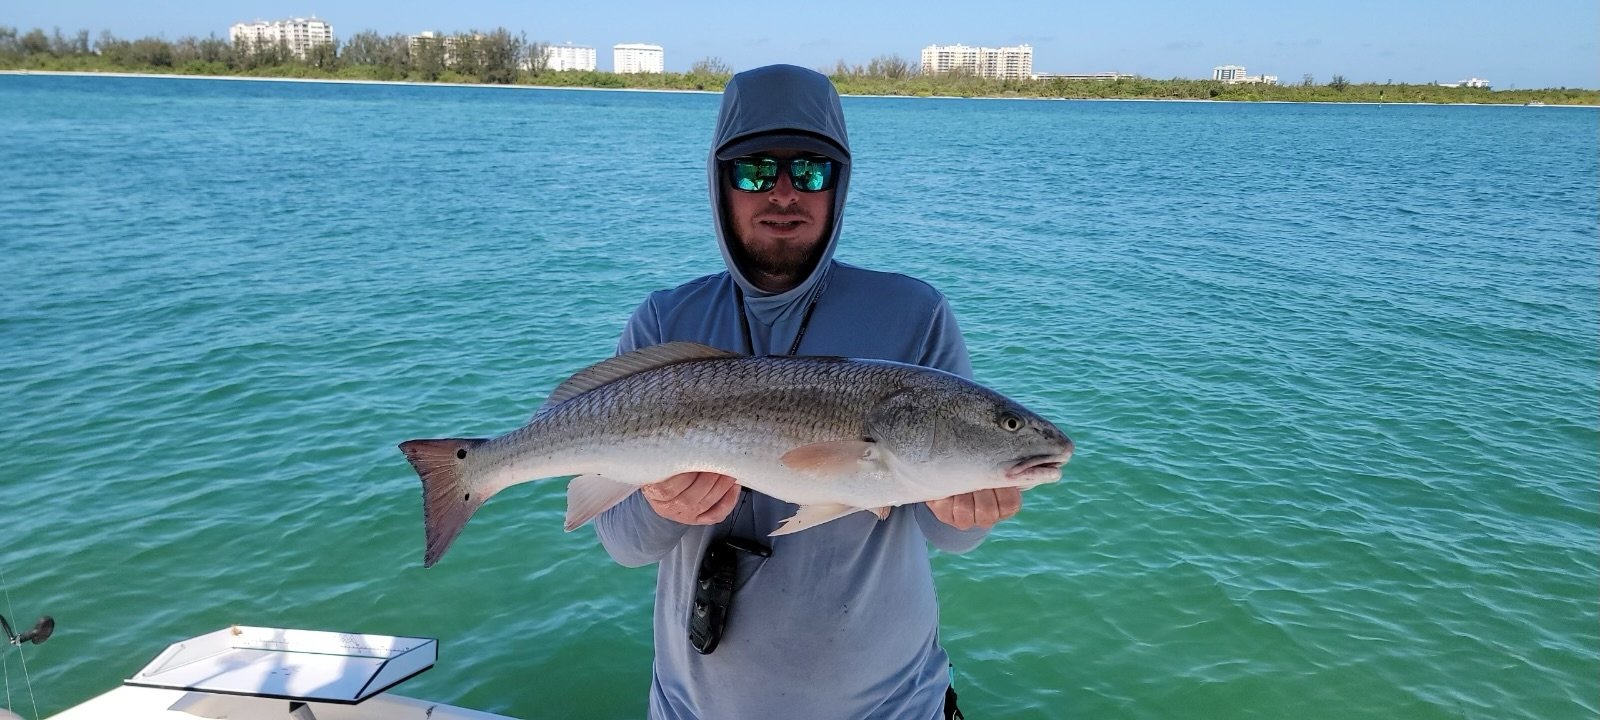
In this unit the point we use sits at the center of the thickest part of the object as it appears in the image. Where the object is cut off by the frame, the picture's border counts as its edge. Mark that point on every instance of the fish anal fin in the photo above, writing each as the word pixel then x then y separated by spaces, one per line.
pixel 832 458
pixel 590 495
pixel 882 512
pixel 621 366
pixel 810 516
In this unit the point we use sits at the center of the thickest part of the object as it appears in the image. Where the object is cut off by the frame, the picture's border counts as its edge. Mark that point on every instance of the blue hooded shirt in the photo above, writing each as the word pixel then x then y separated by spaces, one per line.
pixel 842 620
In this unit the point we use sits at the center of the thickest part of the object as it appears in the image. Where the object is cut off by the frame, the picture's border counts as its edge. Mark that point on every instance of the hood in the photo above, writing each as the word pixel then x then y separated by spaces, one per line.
pixel 762 109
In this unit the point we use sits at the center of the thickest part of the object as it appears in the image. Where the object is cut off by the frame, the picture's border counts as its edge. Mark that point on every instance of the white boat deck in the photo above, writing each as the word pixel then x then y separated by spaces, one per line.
pixel 250 673
pixel 141 703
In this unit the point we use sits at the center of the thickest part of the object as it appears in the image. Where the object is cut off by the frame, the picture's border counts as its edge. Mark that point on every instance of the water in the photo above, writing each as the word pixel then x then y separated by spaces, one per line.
pixel 1332 371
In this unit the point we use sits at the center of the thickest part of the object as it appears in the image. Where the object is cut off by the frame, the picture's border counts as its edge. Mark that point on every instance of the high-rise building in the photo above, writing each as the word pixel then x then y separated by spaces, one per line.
pixel 447 48
pixel 1006 63
pixel 1234 74
pixel 939 59
pixel 424 39
pixel 297 34
pixel 1227 73
pixel 638 58
pixel 569 57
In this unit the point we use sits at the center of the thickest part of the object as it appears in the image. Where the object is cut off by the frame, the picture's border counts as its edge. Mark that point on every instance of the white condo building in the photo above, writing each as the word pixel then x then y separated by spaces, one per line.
pixel 298 34
pixel 1227 73
pixel 1234 74
pixel 445 45
pixel 569 57
pixel 1006 63
pixel 424 39
pixel 638 58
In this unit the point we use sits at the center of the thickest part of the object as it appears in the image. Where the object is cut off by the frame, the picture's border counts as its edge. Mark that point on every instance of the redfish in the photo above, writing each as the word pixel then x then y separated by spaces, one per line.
pixel 831 435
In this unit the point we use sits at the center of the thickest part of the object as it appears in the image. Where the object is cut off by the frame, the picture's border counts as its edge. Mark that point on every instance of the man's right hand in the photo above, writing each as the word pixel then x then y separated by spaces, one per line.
pixel 694 498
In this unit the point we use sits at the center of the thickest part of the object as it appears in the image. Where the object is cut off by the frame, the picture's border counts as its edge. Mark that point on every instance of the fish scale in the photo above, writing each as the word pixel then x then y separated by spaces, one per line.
pixel 787 397
pixel 831 435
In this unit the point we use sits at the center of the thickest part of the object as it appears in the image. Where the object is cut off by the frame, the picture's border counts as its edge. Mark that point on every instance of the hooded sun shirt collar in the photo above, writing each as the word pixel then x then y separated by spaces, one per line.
pixel 779 106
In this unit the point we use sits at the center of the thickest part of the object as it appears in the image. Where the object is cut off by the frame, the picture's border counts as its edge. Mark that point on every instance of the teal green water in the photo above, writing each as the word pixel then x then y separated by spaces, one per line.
pixel 1332 371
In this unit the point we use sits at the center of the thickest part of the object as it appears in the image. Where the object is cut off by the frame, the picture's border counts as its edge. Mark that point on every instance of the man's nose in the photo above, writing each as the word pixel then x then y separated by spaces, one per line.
pixel 783 192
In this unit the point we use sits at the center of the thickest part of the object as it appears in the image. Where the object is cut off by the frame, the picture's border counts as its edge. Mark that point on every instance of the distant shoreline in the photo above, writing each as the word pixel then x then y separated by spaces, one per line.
pixel 342 81
pixel 410 83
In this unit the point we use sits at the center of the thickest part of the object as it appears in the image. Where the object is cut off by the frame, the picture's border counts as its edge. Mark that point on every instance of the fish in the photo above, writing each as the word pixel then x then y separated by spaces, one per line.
pixel 832 435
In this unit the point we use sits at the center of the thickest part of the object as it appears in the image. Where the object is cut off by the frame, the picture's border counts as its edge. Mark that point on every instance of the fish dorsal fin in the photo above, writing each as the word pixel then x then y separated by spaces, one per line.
pixel 621 366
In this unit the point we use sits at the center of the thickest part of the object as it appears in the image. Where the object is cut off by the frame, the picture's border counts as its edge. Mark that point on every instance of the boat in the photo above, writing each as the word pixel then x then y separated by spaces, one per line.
pixel 135 703
pixel 262 673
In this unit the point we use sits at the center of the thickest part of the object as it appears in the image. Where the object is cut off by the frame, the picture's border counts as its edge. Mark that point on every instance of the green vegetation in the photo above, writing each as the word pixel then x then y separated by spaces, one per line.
pixel 861 81
pixel 499 57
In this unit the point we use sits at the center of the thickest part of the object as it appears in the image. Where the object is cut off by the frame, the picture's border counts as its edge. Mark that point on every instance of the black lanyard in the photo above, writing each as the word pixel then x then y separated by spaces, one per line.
pixel 805 321
pixel 719 567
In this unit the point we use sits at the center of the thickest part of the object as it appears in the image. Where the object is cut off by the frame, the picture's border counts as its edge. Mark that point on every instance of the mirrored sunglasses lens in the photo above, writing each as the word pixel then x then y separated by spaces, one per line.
pixel 811 175
pixel 753 175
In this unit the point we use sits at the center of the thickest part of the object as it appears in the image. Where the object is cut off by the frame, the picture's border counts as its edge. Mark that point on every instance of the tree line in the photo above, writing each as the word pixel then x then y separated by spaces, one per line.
pixel 1337 90
pixel 499 56
pixel 496 56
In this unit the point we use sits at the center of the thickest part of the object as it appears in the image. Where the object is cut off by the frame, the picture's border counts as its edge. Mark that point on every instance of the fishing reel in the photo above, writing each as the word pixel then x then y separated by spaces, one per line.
pixel 41 631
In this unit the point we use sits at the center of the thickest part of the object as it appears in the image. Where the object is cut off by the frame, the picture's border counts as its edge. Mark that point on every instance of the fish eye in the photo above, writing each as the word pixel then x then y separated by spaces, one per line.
pixel 1010 422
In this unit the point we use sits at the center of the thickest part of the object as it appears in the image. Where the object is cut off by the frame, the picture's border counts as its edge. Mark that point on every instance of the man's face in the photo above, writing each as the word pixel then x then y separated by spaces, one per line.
pixel 781 231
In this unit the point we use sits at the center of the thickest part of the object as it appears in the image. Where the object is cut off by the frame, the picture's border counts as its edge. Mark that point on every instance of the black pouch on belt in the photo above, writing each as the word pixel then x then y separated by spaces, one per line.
pixel 713 589
pixel 713 593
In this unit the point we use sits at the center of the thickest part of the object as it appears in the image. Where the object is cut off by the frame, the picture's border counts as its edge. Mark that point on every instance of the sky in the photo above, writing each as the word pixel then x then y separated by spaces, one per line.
pixel 1531 44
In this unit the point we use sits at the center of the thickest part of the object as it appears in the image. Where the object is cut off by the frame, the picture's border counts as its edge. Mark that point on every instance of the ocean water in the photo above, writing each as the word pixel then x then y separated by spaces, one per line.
pixel 1333 372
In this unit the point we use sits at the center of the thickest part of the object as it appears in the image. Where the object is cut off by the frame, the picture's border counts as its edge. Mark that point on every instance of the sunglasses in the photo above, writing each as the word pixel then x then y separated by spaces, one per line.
pixel 759 173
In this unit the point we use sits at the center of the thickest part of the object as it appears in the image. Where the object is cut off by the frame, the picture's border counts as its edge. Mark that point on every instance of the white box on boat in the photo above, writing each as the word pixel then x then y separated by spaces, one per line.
pixel 303 665
pixel 254 673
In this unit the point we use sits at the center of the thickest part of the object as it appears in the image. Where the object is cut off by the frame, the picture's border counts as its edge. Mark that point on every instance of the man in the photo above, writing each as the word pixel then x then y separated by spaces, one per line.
pixel 841 620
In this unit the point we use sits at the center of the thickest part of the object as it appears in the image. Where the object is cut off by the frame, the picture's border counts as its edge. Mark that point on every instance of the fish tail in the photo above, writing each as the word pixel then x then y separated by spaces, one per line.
pixel 448 501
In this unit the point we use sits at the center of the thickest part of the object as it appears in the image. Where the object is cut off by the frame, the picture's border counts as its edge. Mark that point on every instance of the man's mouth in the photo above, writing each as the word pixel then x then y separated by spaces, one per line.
pixel 782 225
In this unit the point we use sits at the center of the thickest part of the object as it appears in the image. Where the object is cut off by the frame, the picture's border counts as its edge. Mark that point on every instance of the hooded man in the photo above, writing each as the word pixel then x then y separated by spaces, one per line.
pixel 840 620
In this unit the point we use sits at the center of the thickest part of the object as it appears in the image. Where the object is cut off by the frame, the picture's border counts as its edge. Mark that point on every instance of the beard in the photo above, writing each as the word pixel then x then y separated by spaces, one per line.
pixel 776 262
pixel 781 259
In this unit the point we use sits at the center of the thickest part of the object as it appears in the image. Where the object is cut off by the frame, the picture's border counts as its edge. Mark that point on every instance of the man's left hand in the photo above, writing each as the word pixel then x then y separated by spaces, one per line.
pixel 981 509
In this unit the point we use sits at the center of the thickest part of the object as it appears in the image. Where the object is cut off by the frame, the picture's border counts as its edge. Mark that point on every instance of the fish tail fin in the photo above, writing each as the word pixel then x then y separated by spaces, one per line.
pixel 448 501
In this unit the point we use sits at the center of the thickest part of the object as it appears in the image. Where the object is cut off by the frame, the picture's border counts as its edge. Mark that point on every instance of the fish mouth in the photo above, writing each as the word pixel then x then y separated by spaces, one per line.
pixel 1036 469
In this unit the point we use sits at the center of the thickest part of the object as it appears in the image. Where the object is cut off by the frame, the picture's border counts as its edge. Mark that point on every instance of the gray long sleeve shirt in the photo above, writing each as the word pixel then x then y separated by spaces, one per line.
pixel 842 620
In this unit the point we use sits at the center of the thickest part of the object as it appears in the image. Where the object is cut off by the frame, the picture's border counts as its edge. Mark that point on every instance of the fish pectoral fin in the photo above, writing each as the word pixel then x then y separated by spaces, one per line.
pixel 810 516
pixel 590 495
pixel 833 458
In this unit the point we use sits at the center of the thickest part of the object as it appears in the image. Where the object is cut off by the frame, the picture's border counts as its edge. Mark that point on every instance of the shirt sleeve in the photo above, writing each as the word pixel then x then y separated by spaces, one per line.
pixel 634 535
pixel 945 537
pixel 944 348
pixel 643 328
pixel 631 531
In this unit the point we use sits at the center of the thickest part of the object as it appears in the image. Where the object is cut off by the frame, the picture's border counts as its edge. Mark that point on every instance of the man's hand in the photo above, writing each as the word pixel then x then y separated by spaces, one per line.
pixel 981 509
pixel 695 498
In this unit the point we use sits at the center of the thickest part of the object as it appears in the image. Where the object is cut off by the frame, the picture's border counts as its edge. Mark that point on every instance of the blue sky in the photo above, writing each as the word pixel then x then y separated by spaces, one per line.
pixel 1541 43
